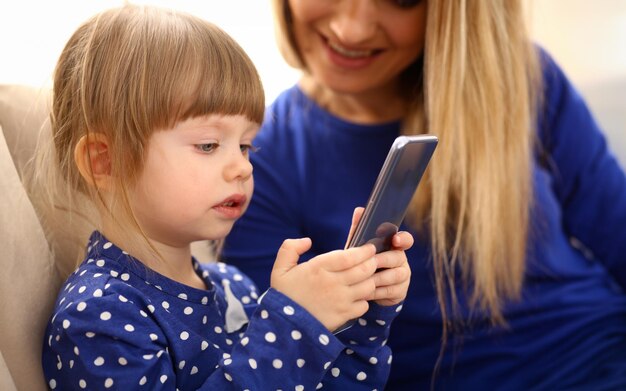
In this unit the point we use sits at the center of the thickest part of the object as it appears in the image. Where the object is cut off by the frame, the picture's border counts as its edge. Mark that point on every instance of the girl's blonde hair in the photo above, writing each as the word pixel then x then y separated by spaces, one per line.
pixel 478 92
pixel 128 72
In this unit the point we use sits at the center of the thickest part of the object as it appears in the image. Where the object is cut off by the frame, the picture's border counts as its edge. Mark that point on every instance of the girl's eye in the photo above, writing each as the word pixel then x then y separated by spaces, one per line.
pixel 406 3
pixel 207 148
pixel 247 148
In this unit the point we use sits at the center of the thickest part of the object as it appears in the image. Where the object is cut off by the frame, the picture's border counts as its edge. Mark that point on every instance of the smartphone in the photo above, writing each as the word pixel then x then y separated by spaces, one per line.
pixel 397 181
pixel 393 190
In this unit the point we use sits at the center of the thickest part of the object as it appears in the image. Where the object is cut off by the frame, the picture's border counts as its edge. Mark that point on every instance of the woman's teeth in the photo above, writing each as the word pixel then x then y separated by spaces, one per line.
pixel 350 53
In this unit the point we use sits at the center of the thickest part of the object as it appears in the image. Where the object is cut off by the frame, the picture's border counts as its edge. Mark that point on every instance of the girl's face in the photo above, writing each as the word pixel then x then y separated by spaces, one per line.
pixel 355 46
pixel 197 179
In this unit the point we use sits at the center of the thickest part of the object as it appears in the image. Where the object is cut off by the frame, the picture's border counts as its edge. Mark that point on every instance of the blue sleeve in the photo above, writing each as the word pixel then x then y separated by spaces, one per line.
pixel 588 180
pixel 367 358
pixel 106 343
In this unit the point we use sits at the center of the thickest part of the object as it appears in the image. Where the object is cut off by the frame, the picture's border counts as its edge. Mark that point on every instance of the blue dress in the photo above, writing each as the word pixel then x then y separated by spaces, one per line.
pixel 569 328
pixel 119 325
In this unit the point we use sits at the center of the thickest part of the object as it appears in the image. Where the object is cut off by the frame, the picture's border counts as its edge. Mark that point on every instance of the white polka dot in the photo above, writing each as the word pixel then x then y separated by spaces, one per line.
pixel 204 345
pixel 319 385
pixel 125 277
pixel 129 327
pixel 107 245
pixel 97 293
pixel 245 300
pixel 106 315
pixel 204 319
pixel 324 340
pixel 153 337
pixel 194 370
pixel 373 360
pixel 52 383
pixel 182 296
pixel 276 363
pixel 362 322
pixel 100 262
pixel 229 341
pixel 299 387
pixel 81 306
pixel 165 305
pixel 326 365
pixel 188 311
pixel 289 310
pixel 122 361
pixel 181 364
pixel 252 363
pixel 114 273
pixel 389 360
pixel 99 361
pixel 335 372
pixel 381 322
pixel 295 334
pixel 217 330
pixel 184 335
pixel 228 377
pixel 96 275
pixel 399 308
pixel 270 337
pixel 151 308
pixel 122 299
pixel 228 361
pixel 82 289
pixel 148 356
pixel 90 334
pixel 143 313
pixel 82 383
pixel 108 383
pixel 361 376
pixel 204 300
pixel 264 314
pixel 238 277
pixel 300 363
pixel 244 341
pixel 163 379
pixel 66 324
pixel 143 381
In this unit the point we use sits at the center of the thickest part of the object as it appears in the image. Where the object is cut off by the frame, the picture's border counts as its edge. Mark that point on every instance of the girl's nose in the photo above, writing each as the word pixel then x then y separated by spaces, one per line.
pixel 354 21
pixel 239 168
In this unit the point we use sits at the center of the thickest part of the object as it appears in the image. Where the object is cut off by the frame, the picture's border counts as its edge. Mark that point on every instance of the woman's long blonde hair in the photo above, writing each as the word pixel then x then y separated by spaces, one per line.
pixel 126 73
pixel 478 94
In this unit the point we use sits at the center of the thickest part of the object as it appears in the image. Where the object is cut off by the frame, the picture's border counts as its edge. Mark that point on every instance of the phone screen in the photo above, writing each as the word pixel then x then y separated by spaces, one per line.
pixel 394 188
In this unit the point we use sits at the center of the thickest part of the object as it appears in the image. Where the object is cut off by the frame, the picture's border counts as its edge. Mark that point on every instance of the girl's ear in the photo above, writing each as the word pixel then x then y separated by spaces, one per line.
pixel 93 159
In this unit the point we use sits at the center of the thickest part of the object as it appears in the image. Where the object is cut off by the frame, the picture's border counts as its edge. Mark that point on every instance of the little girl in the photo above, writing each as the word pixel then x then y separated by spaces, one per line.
pixel 154 113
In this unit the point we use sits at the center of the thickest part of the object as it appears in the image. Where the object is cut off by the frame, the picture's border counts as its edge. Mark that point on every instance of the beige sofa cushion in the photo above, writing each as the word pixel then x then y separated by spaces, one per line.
pixel 28 282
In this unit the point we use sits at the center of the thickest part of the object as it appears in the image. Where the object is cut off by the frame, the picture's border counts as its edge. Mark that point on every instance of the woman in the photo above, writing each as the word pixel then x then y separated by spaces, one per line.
pixel 520 221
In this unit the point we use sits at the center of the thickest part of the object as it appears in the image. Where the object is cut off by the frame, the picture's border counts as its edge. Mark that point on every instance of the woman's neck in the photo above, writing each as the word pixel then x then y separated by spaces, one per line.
pixel 370 107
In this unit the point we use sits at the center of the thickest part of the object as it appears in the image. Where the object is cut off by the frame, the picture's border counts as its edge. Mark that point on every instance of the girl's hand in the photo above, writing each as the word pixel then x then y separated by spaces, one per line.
pixel 392 280
pixel 334 287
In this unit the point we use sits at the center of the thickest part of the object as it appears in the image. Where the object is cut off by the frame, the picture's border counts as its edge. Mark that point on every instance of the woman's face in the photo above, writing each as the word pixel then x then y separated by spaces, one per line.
pixel 356 46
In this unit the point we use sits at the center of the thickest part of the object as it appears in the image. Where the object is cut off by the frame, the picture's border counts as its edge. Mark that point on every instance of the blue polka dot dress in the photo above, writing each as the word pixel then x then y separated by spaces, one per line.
pixel 119 325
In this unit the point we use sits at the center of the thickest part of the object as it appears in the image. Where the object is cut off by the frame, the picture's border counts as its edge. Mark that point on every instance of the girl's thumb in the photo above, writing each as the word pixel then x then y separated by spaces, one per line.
pixel 289 253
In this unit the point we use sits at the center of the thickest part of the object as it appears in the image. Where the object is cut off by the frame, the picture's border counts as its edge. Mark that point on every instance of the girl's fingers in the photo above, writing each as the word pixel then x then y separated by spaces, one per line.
pixel 393 276
pixel 402 241
pixel 339 260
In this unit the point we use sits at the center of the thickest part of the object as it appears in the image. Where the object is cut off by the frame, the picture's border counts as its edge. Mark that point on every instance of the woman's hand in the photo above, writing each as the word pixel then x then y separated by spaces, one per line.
pixel 334 287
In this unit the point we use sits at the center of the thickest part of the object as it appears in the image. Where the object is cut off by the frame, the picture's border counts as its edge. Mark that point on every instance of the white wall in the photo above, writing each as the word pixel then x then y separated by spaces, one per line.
pixel 588 39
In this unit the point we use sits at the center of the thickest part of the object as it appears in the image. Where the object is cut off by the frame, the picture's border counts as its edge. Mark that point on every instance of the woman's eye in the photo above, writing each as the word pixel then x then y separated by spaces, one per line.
pixel 207 148
pixel 406 3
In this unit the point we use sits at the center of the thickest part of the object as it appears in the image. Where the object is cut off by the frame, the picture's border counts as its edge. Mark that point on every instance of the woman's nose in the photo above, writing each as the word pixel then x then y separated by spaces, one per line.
pixel 354 21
